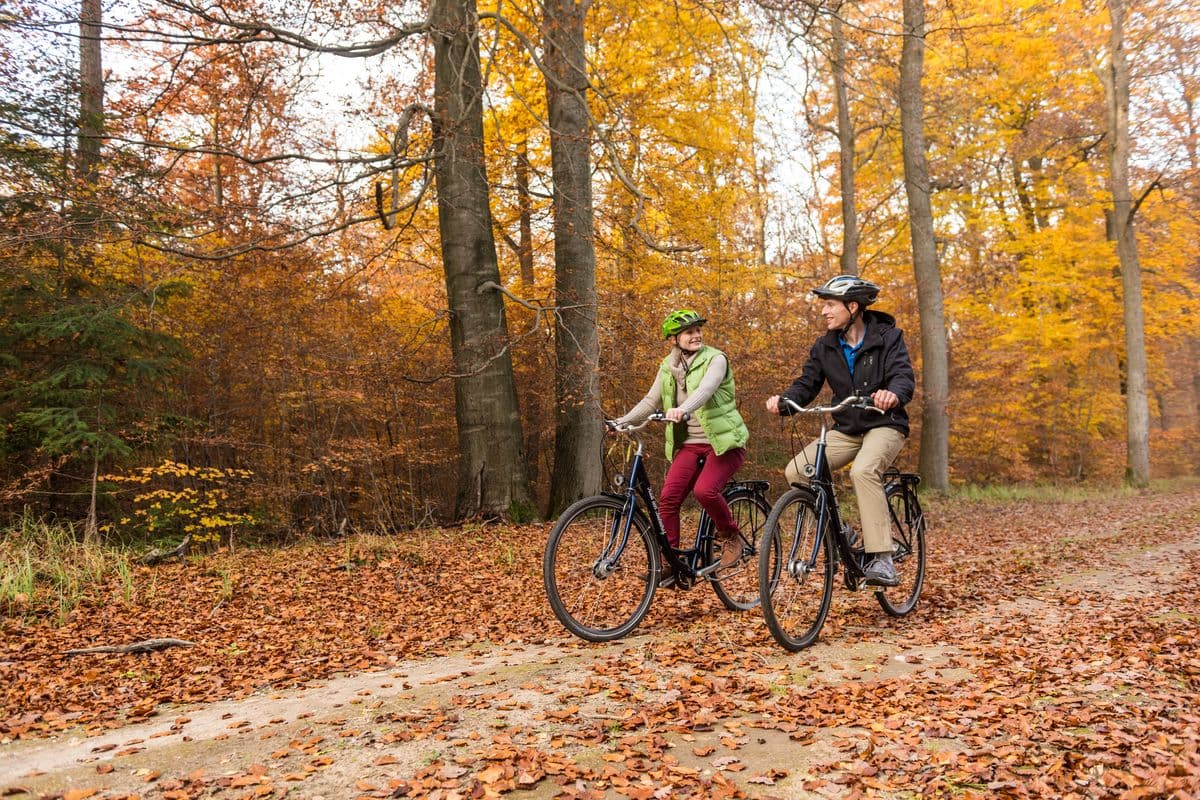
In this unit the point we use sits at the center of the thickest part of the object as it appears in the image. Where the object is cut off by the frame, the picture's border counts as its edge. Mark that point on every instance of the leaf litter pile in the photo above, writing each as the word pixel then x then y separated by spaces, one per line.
pixel 1053 654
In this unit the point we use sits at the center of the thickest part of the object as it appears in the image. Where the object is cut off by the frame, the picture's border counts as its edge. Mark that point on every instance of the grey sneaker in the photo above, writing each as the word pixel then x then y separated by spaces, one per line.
pixel 880 572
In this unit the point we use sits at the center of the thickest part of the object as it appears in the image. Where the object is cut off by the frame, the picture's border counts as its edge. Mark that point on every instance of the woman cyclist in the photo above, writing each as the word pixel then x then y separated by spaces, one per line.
pixel 706 440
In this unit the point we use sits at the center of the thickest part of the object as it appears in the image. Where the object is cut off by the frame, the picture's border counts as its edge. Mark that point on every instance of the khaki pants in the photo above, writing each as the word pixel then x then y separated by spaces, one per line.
pixel 872 453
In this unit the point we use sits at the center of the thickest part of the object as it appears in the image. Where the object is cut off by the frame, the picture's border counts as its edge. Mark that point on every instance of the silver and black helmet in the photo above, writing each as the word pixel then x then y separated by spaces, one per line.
pixel 847 288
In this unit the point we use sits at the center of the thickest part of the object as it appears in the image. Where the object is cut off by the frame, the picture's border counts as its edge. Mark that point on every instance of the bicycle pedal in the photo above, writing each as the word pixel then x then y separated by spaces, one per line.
pixel 704 572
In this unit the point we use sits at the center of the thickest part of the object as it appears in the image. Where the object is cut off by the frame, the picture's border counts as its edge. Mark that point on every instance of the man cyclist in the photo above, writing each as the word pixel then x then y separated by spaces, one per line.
pixel 863 353
pixel 706 440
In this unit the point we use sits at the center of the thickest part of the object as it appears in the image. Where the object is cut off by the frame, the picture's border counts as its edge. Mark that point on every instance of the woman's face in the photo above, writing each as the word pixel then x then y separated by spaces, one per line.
pixel 691 340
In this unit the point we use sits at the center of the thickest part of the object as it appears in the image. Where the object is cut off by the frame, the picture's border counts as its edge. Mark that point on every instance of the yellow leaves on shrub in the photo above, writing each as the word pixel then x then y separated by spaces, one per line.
pixel 184 500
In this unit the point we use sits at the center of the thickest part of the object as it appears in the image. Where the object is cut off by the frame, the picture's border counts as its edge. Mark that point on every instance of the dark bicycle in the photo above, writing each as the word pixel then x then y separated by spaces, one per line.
pixel 603 560
pixel 809 541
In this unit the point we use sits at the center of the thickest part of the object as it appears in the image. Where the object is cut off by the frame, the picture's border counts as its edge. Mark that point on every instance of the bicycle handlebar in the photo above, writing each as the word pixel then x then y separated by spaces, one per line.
pixel 853 401
pixel 632 427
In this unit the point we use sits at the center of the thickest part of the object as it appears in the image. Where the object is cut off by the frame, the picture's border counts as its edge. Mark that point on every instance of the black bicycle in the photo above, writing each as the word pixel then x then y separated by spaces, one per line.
pixel 603 563
pixel 809 540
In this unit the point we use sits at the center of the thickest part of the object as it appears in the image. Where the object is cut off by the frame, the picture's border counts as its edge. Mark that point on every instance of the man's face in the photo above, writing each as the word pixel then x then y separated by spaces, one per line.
pixel 690 340
pixel 836 314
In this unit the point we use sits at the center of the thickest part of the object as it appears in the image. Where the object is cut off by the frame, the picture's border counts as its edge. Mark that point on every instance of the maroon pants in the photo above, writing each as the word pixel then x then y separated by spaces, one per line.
pixel 685 475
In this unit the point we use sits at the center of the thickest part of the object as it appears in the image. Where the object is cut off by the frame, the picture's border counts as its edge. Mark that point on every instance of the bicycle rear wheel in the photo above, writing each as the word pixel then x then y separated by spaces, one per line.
pixel 795 571
pixel 737 586
pixel 599 590
pixel 908 550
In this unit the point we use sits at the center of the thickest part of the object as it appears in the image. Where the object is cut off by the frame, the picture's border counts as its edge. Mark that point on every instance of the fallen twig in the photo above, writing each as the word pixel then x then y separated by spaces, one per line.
pixel 155 556
pixel 147 646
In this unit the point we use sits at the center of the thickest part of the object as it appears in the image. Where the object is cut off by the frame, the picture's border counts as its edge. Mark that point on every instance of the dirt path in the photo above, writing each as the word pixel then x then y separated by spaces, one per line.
pixel 710 712
pixel 449 703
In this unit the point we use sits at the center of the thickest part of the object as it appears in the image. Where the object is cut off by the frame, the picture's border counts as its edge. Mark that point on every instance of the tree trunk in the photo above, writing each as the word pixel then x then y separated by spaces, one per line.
pixel 91 526
pixel 935 425
pixel 1116 94
pixel 578 429
pixel 91 93
pixel 845 132
pixel 525 220
pixel 492 477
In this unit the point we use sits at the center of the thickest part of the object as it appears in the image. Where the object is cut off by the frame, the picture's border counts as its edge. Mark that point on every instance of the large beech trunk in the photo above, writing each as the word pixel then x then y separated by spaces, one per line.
pixel 492 478
pixel 935 378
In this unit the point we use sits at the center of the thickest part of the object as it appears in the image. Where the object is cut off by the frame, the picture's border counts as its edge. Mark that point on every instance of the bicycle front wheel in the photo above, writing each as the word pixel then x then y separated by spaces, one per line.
pixel 795 571
pixel 600 588
pixel 908 550
pixel 737 586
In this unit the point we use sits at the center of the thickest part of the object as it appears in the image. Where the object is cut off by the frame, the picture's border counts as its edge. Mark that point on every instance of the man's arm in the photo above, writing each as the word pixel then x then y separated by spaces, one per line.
pixel 898 376
pixel 805 387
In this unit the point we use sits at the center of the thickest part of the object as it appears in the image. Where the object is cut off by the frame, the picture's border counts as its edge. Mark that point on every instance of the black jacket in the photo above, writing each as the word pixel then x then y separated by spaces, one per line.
pixel 883 363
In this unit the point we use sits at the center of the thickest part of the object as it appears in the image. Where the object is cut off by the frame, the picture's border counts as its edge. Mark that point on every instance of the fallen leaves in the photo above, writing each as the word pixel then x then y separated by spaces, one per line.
pixel 1002 684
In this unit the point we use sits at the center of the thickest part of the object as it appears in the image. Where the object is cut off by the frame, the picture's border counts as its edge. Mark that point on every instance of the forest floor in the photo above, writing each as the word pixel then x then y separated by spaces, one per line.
pixel 1054 654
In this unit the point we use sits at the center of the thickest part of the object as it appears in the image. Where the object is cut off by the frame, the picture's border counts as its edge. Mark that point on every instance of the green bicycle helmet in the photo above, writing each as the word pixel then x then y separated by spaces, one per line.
pixel 679 321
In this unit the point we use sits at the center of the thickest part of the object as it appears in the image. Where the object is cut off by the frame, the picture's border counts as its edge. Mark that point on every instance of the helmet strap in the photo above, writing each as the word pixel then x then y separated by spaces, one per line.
pixel 855 315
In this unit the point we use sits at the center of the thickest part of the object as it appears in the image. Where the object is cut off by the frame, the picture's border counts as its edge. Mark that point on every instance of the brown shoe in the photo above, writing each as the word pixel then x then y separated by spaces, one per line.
pixel 730 543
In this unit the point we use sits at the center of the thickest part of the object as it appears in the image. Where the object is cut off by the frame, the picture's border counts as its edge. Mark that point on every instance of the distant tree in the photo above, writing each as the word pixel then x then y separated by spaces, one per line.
pixel 1115 77
pixel 846 145
pixel 75 365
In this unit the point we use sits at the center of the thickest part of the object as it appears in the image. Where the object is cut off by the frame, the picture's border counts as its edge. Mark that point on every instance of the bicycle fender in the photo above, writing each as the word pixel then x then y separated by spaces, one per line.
pixel 754 487
pixel 638 511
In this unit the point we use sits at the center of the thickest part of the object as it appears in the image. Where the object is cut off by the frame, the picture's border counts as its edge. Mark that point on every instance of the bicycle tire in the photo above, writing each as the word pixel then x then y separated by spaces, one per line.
pixel 737 586
pixel 593 603
pixel 908 550
pixel 795 578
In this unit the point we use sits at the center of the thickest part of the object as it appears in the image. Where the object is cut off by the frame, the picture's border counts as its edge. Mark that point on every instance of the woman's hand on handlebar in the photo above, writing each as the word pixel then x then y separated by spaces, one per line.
pixel 675 415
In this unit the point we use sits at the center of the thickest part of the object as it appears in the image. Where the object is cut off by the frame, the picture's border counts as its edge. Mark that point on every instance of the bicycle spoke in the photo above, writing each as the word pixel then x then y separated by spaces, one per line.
pixel 737 586
pixel 796 572
pixel 908 543
pixel 598 598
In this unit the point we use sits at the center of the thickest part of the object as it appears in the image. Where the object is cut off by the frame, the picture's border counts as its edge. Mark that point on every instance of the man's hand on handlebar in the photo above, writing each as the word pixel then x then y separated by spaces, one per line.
pixel 885 400
pixel 776 403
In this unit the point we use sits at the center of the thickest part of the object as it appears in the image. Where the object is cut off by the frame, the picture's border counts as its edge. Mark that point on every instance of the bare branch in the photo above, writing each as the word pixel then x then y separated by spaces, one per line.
pixel 1155 184
pixel 399 148
pixel 260 31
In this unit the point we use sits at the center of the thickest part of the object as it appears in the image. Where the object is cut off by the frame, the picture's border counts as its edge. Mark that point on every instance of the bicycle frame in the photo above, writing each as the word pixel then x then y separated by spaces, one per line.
pixel 684 561
pixel 829 515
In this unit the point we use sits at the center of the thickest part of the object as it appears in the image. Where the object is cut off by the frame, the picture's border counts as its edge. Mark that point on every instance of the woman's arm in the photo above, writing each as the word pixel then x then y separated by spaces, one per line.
pixel 646 406
pixel 717 369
